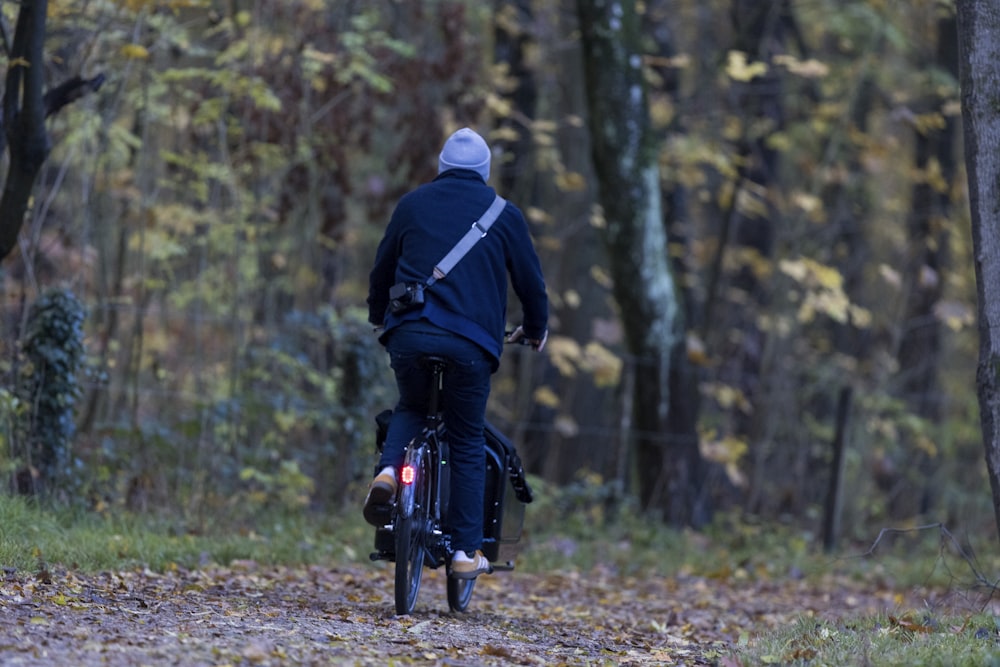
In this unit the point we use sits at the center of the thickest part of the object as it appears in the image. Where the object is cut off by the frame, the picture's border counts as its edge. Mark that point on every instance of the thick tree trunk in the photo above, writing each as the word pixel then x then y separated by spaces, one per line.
pixel 979 64
pixel 625 160
pixel 23 120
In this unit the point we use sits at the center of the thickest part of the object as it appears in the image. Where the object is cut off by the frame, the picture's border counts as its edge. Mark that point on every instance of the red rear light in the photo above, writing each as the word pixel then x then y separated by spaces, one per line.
pixel 407 475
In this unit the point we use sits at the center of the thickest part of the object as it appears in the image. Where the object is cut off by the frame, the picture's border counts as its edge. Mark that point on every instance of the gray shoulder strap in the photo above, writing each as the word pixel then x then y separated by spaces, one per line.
pixel 476 232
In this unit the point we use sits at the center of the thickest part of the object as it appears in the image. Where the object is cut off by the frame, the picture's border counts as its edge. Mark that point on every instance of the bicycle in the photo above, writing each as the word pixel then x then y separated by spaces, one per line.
pixel 414 533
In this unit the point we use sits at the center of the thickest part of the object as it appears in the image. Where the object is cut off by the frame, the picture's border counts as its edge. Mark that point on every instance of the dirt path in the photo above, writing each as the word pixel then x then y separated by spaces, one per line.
pixel 249 615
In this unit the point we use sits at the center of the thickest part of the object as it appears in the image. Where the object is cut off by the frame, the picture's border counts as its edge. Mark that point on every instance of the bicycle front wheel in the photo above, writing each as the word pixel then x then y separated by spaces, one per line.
pixel 460 593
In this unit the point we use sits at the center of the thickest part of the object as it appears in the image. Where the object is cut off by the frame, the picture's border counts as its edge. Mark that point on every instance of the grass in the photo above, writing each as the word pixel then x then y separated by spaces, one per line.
pixel 926 641
pixel 32 536
pixel 565 528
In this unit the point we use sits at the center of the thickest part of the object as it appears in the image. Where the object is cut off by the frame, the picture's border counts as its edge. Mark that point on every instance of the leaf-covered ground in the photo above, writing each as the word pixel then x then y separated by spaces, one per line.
pixel 251 615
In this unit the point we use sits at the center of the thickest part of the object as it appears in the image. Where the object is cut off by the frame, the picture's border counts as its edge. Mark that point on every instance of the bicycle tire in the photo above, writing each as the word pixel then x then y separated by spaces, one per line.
pixel 460 593
pixel 410 531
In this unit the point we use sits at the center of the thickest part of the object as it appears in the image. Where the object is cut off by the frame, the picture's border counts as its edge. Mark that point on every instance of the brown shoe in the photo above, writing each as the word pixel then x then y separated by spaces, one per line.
pixel 463 567
pixel 380 495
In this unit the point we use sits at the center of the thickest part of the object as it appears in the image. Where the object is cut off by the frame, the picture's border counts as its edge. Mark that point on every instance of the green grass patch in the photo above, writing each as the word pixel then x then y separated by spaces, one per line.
pixel 32 536
pixel 923 640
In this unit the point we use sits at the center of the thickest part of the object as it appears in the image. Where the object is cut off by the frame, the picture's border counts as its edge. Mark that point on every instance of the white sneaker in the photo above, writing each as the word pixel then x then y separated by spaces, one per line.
pixel 464 566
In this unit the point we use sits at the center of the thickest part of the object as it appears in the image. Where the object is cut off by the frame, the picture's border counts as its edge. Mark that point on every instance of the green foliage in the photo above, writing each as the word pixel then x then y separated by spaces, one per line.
pixel 48 383
pixel 290 430
pixel 12 411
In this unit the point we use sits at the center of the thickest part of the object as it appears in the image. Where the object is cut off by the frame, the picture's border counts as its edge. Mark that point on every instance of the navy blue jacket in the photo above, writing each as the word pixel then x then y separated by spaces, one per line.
pixel 471 300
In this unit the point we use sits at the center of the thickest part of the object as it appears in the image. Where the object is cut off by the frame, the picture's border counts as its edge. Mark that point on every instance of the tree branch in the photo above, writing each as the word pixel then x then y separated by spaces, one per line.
pixel 69 92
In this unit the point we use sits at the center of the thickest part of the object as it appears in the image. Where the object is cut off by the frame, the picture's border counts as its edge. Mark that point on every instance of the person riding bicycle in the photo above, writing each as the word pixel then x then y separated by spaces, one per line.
pixel 462 318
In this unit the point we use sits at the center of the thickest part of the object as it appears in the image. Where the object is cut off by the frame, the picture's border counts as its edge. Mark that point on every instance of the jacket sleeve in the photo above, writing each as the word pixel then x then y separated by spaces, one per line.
pixel 527 280
pixel 383 274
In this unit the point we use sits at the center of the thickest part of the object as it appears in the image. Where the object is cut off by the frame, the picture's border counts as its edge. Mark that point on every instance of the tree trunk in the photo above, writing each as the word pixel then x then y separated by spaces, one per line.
pixel 625 160
pixel 919 352
pixel 23 120
pixel 760 28
pixel 979 64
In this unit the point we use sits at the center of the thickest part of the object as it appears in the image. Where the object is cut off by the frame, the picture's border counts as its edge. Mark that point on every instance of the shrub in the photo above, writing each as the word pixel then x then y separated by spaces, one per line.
pixel 51 355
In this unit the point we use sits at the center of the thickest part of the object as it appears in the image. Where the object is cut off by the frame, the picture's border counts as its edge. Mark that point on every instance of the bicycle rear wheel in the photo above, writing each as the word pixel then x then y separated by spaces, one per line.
pixel 410 530
pixel 409 563
pixel 460 593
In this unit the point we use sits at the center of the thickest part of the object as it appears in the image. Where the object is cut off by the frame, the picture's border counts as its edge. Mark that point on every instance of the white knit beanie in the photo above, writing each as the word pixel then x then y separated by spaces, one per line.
pixel 465 150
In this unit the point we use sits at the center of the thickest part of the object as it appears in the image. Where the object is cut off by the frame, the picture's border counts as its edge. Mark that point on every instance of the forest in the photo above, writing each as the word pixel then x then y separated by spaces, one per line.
pixel 755 237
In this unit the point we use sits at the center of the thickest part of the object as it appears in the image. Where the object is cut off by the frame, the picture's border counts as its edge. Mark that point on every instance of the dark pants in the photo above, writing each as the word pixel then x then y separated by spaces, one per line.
pixel 466 389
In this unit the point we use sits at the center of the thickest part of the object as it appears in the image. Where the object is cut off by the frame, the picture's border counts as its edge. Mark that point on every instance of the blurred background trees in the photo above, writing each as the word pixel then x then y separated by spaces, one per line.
pixel 215 205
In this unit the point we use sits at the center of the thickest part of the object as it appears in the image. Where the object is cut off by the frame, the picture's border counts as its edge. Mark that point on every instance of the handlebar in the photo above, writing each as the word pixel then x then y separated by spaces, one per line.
pixel 523 340
pixel 536 345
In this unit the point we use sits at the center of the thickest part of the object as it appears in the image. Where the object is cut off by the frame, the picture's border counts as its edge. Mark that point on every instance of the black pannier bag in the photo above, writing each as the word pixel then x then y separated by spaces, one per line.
pixel 506 494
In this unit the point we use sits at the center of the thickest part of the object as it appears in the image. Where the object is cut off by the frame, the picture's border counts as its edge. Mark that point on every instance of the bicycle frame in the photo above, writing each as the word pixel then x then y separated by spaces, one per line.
pixel 416 535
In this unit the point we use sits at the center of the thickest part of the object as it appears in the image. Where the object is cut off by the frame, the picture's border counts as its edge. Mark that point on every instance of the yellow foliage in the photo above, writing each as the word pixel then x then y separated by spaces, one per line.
pixel 752 204
pixel 501 106
pixel 809 69
pixel 927 446
pixel 812 273
pixel 750 258
pixel 662 112
pixel 834 304
pixel 727 396
pixel 860 317
pixel 954 314
pixel 824 293
pixel 732 128
pixel 890 275
pixel 571 181
pixel 566 426
pixel 538 216
pixel 728 449
pixel 601 276
pixel 929 122
pixel 545 395
pixel 738 69
pixel 505 133
pixel 597 220
pixel 780 141
pixel 809 204
pixel 135 52
pixel 564 353
pixel 696 352
pixel 603 364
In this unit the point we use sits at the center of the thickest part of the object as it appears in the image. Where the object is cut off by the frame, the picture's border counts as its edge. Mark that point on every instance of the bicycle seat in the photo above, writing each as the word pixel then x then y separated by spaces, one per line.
pixel 432 360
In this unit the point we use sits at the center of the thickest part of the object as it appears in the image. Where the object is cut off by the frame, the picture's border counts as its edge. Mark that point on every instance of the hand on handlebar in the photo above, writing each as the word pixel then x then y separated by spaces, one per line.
pixel 517 336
